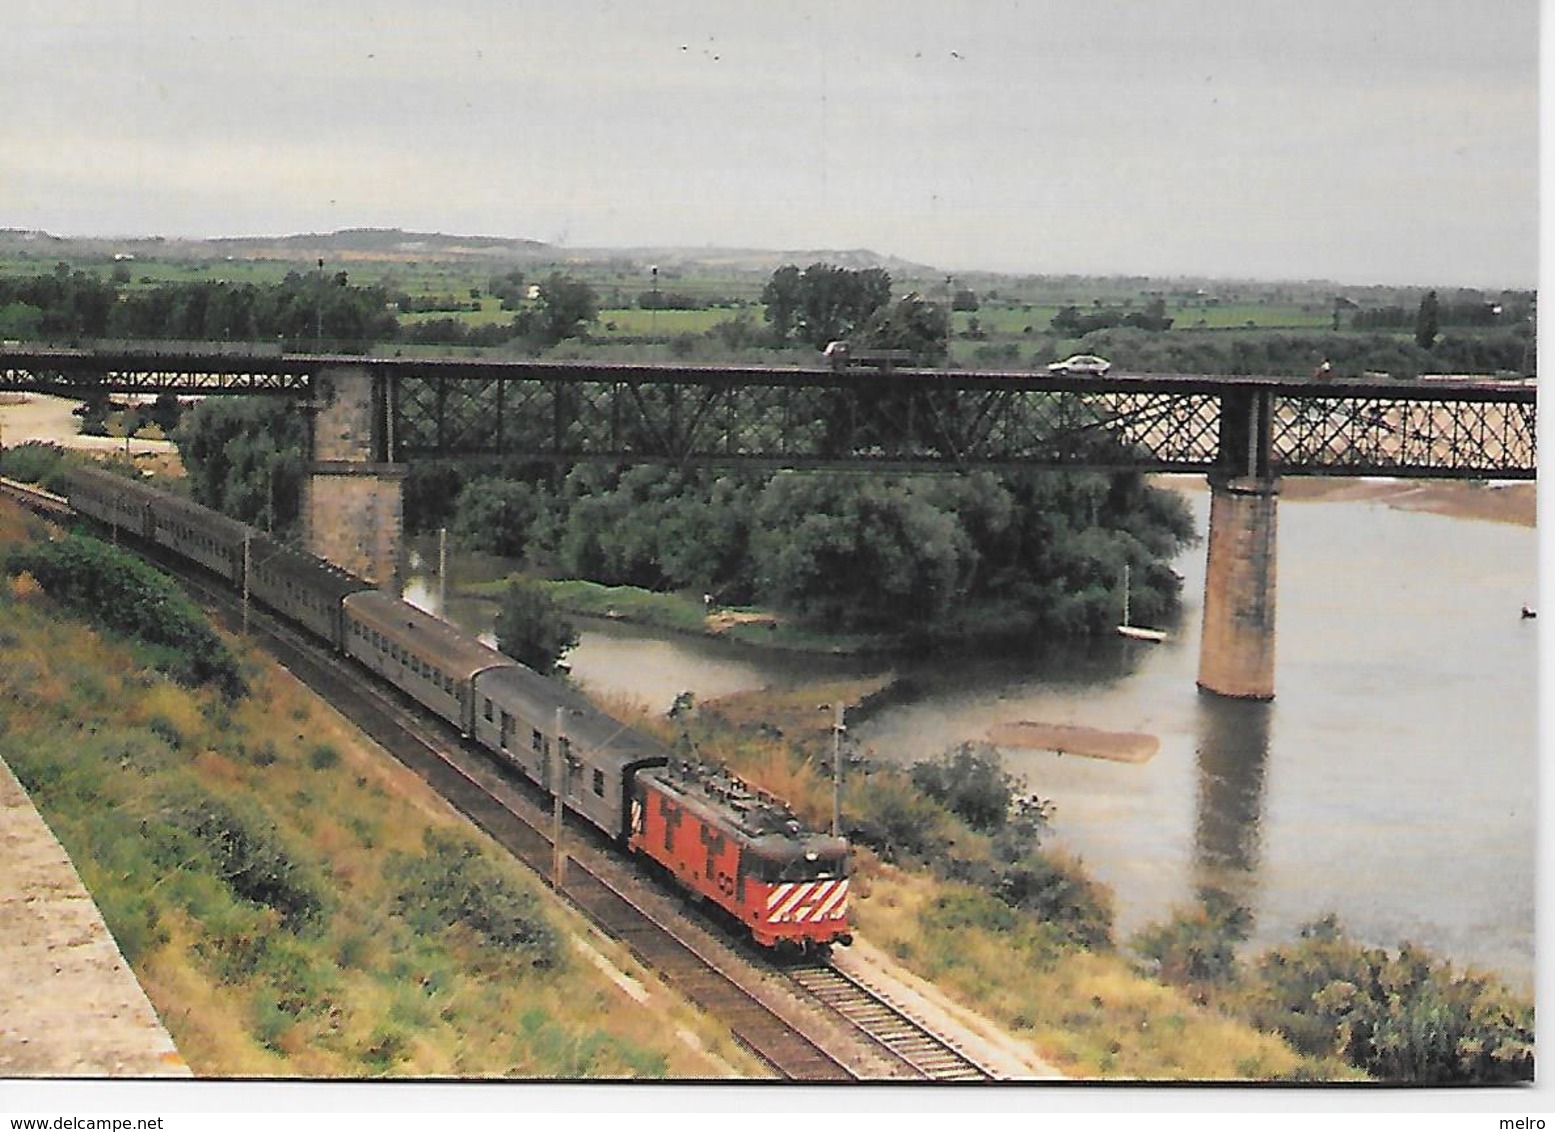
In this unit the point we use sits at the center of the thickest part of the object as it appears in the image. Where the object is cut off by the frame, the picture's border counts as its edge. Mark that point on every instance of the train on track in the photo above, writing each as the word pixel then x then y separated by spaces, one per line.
pixel 738 847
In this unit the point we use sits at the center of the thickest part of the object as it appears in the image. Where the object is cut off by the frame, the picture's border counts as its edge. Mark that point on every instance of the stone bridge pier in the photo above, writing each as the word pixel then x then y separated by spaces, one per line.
pixel 1236 649
pixel 352 499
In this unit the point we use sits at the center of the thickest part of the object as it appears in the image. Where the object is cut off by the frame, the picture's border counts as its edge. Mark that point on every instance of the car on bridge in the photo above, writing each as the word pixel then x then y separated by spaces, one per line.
pixel 1079 364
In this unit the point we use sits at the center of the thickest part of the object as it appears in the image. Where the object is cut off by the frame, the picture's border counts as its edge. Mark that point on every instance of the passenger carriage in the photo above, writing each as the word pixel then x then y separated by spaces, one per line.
pixel 120 502
pixel 539 726
pixel 300 587
pixel 426 658
pixel 201 535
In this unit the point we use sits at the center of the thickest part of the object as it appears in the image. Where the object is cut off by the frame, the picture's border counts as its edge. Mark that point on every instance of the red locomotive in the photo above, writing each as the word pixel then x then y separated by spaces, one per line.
pixel 745 851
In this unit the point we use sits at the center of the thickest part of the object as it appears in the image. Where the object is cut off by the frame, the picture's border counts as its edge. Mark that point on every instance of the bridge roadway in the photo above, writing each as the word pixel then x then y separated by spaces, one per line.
pixel 1464 427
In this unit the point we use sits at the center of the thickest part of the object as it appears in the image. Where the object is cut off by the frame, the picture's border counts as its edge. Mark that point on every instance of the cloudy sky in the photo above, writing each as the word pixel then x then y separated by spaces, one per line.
pixel 1356 140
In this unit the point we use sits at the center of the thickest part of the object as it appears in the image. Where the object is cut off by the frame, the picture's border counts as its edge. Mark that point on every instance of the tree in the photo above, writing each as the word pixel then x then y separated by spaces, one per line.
pixel 823 303
pixel 531 629
pixel 509 288
pixel 243 456
pixel 1427 321
pixel 782 297
pixel 494 515
pixel 1153 317
pixel 855 554
pixel 567 306
pixel 912 324
pixel 837 300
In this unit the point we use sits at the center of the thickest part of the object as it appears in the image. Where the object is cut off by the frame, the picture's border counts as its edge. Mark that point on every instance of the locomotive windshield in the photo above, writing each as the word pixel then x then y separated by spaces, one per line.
pixel 786 867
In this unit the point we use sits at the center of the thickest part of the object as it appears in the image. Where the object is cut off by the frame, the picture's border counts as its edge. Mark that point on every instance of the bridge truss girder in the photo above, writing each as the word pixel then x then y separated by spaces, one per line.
pixel 903 421
pixel 85 375
pixel 1460 428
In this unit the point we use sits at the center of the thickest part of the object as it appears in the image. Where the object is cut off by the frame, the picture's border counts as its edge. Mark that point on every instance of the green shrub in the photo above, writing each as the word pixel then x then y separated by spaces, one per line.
pixel 304 982
pixel 964 908
pixel 893 818
pixel 1057 891
pixel 270 1021
pixel 33 462
pixel 251 860
pixel 1400 1017
pixel 1197 947
pixel 451 883
pixel 970 781
pixel 136 925
pixel 125 595
pixel 386 1048
pixel 145 749
pixel 166 730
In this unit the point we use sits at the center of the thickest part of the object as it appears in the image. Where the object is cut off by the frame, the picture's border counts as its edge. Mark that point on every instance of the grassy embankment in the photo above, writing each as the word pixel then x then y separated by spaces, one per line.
pixel 294 903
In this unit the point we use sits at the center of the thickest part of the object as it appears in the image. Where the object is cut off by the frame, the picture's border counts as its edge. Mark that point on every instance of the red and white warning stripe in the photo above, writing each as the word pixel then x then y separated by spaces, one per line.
pixel 807 902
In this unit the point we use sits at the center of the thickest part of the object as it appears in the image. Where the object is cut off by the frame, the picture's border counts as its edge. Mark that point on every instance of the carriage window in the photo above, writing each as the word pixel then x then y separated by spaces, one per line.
pixel 599 783
pixel 538 742
pixel 507 731
pixel 488 711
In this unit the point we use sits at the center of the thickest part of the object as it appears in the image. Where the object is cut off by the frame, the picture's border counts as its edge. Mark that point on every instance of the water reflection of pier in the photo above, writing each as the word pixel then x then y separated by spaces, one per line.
pixel 1232 753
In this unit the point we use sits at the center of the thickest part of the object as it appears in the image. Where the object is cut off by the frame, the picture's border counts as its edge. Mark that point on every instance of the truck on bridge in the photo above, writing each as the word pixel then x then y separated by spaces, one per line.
pixel 842 354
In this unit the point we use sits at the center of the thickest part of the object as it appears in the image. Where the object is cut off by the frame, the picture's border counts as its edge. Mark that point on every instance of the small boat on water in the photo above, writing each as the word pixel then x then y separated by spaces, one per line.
pixel 1136 632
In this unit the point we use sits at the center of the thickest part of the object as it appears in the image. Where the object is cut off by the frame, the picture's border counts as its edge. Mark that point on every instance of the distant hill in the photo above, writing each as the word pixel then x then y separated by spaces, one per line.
pixel 394 244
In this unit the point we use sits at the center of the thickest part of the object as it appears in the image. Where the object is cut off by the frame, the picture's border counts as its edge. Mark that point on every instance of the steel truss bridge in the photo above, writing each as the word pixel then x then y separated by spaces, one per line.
pixel 1464 428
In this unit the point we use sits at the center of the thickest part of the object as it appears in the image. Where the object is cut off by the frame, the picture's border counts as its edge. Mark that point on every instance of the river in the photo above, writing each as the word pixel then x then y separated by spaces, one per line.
pixel 1392 781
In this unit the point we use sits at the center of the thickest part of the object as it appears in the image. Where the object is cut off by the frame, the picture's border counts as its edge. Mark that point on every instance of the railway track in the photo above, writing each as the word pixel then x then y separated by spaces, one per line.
pixel 35 498
pixel 931 1055
pixel 513 814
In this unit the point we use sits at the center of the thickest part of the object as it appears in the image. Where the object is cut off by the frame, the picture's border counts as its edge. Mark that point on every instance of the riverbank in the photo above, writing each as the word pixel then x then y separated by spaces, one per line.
pixel 1515 503
pixel 1495 502
pixel 688 615
pixel 39 418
